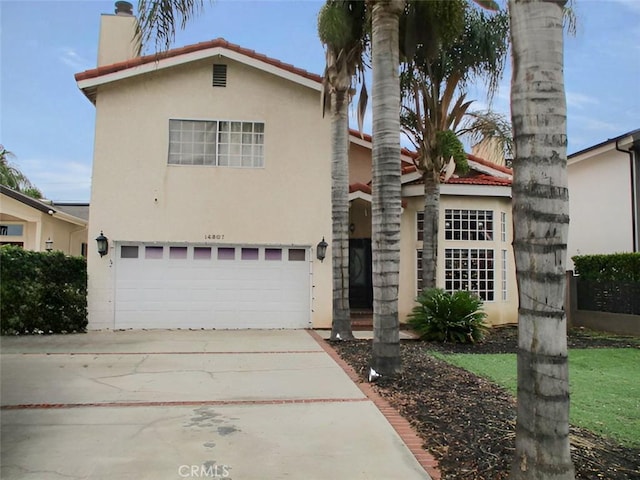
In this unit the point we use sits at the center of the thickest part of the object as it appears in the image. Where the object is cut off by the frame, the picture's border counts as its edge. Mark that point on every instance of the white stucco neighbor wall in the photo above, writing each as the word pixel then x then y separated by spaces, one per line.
pixel 137 196
pixel 599 204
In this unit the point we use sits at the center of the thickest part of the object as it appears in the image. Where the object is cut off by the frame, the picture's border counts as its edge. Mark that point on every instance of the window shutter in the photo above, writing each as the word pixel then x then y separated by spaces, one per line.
pixel 219 75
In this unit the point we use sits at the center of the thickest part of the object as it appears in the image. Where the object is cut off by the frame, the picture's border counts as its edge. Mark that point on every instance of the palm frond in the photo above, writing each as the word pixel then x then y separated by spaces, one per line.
pixel 483 125
pixel 160 19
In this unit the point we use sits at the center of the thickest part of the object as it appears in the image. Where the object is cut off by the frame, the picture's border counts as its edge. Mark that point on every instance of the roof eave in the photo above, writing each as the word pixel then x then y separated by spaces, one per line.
pixel 89 83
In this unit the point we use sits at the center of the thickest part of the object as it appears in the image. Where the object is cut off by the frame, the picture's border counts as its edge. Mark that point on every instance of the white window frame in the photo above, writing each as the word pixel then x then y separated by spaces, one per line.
pixel 418 271
pixel 461 224
pixel 220 143
pixel 503 226
pixel 419 225
pixel 504 276
pixel 460 273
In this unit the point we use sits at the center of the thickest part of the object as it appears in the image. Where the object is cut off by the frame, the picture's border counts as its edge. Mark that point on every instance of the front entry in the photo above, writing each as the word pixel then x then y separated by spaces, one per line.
pixel 360 279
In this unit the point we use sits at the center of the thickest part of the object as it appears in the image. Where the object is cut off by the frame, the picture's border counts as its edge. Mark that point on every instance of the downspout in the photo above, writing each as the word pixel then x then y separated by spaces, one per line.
pixel 635 148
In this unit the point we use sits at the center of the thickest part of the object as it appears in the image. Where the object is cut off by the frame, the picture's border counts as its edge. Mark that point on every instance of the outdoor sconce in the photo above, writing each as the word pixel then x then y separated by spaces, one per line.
pixel 321 250
pixel 103 244
pixel 48 245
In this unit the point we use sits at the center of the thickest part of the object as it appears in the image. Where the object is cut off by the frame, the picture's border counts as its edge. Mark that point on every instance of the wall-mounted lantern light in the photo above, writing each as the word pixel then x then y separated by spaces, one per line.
pixel 321 250
pixel 48 245
pixel 103 244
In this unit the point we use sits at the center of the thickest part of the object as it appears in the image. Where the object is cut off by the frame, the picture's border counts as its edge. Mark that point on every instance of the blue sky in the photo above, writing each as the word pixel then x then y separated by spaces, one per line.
pixel 48 124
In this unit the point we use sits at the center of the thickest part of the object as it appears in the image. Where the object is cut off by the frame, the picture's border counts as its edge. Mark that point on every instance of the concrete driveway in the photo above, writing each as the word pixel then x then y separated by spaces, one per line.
pixel 189 404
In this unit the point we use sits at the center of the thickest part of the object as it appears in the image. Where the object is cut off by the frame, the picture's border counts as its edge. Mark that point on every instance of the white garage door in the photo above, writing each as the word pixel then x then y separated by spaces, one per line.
pixel 204 286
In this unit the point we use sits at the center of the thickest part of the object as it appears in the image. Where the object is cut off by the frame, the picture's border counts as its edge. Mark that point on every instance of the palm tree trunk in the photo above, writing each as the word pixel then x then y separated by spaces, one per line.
pixel 341 324
pixel 541 221
pixel 430 230
pixel 387 205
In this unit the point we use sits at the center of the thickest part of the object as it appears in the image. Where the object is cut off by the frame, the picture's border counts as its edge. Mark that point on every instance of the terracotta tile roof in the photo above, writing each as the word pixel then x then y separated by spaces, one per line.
pixel 368 138
pixel 360 187
pixel 487 163
pixel 482 179
pixel 473 177
pixel 217 43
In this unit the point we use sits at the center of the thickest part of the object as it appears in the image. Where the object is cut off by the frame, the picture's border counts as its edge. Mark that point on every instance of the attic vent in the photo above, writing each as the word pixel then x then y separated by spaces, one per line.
pixel 219 75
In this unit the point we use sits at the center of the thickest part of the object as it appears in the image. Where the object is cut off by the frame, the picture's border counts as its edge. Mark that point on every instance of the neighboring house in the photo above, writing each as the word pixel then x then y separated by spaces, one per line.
pixel 604 197
pixel 212 182
pixel 31 223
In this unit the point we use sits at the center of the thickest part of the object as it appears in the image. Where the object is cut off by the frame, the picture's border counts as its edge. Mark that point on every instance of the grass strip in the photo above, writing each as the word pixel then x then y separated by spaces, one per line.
pixel 604 385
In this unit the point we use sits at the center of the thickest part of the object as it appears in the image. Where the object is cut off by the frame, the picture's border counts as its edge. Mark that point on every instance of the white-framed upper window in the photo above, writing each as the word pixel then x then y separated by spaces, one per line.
pixel 420 225
pixel 217 143
pixel 503 226
pixel 470 269
pixel 468 224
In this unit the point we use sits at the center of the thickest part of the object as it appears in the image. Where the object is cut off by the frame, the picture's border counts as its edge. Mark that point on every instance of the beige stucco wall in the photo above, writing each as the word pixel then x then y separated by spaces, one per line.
pixel 600 205
pixel 359 164
pixel 137 196
pixel 499 311
pixel 38 227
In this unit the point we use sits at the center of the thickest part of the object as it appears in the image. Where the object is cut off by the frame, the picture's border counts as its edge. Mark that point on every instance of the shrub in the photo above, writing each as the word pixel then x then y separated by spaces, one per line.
pixel 42 292
pixel 448 317
pixel 617 267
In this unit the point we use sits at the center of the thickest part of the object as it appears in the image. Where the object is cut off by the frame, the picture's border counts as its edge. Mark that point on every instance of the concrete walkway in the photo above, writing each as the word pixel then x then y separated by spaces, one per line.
pixel 189 404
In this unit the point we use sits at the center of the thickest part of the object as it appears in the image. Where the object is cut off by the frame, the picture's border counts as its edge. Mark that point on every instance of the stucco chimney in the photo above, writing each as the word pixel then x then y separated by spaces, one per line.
pixel 119 40
pixel 489 149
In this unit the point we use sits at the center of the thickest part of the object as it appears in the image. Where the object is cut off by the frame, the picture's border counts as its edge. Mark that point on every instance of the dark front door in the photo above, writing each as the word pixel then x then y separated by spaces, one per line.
pixel 360 282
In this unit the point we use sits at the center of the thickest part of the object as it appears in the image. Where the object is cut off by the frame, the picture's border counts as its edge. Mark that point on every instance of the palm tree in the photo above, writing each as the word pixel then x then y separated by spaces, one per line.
pixel 12 177
pixel 541 221
pixel 341 27
pixel 434 94
pixel 386 204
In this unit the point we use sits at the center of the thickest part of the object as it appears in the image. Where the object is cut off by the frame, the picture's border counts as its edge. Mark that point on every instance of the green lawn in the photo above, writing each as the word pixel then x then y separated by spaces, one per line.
pixel 604 384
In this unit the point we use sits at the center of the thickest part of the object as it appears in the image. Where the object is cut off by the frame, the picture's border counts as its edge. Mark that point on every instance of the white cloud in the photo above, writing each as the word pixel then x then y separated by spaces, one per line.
pixel 70 57
pixel 580 100
pixel 583 122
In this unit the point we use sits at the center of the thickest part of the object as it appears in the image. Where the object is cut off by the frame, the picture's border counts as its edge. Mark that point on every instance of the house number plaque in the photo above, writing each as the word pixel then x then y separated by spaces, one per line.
pixel 212 236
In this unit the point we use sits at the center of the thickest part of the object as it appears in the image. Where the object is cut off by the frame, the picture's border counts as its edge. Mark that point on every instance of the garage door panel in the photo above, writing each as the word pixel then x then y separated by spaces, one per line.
pixel 208 292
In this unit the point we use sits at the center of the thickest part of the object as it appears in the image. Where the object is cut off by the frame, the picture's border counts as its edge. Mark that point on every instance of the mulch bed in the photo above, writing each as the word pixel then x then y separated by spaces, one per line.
pixel 468 423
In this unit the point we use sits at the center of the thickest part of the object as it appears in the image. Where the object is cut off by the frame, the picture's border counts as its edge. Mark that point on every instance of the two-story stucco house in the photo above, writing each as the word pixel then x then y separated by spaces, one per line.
pixel 604 193
pixel 212 183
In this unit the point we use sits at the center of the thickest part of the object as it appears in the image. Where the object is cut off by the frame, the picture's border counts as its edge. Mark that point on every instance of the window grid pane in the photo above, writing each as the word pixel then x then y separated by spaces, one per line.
pixel 504 275
pixel 202 253
pixel 420 225
pixel 226 253
pixel 468 224
pixel 249 254
pixel 297 255
pixel 177 253
pixel 274 254
pixel 153 253
pixel 129 251
pixel 470 269
pixel 419 270
pixel 503 226
pixel 243 146
pixel 192 142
